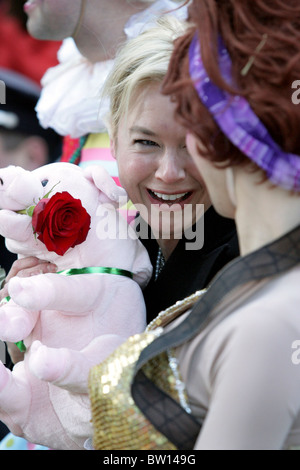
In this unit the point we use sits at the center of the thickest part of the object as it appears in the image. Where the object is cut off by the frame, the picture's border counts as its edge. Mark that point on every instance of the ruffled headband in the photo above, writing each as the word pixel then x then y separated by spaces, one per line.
pixel 239 123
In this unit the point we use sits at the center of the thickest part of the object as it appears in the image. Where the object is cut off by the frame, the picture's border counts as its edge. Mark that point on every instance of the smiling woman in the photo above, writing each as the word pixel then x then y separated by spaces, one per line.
pixel 159 175
pixel 154 165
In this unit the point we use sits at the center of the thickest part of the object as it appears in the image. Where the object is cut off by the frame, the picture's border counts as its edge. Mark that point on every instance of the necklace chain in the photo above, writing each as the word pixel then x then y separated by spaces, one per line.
pixel 160 262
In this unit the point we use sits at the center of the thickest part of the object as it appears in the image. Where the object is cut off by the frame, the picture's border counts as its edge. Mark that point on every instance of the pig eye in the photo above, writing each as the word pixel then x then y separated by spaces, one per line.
pixel 44 183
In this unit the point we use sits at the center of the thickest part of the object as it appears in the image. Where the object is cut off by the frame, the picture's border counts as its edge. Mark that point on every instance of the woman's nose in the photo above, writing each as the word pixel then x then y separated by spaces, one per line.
pixel 170 168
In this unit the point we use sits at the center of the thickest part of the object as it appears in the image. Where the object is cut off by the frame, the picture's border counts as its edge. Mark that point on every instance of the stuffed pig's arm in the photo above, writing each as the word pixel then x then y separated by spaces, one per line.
pixel 53 291
pixel 15 226
pixel 69 369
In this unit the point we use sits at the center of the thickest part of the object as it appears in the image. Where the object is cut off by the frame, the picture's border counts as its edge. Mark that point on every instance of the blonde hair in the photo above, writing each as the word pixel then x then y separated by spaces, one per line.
pixel 140 62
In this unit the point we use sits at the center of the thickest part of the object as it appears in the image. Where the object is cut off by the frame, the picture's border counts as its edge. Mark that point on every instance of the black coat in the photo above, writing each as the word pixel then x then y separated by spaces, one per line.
pixel 187 271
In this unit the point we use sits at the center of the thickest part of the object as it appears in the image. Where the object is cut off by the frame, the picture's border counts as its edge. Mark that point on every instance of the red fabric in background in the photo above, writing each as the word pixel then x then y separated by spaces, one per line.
pixel 22 53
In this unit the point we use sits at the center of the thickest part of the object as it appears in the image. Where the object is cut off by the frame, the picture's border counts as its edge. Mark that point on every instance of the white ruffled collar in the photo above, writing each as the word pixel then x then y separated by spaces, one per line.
pixel 70 98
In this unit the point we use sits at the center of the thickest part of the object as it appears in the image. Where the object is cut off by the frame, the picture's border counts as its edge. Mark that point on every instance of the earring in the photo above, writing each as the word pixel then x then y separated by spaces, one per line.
pixel 231 185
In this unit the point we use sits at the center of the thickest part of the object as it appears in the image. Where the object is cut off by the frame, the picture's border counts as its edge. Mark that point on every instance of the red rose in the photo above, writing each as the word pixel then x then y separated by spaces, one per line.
pixel 60 222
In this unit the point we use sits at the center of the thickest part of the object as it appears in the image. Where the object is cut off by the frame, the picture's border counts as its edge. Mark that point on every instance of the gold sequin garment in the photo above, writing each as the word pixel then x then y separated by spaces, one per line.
pixel 118 423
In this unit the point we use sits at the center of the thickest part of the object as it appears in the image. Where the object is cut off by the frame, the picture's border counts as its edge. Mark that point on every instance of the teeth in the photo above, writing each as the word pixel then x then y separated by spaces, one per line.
pixel 169 197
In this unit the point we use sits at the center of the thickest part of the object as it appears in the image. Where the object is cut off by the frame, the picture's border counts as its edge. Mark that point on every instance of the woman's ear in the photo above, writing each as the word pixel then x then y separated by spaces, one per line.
pixel 113 147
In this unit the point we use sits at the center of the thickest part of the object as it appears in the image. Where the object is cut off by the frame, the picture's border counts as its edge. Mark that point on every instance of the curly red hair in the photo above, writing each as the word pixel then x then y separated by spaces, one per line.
pixel 268 83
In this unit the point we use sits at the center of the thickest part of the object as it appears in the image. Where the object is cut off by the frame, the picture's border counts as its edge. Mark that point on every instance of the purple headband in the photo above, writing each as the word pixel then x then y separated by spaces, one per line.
pixel 240 124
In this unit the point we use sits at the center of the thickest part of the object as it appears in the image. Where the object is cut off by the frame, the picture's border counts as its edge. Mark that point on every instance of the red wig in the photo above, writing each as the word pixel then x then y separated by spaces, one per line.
pixel 267 85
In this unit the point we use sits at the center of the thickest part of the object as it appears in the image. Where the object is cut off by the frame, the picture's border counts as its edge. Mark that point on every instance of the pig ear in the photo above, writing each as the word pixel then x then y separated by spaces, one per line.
pixel 109 190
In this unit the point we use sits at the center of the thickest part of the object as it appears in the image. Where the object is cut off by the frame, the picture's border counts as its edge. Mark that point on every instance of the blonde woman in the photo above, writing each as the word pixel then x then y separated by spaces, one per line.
pixel 158 173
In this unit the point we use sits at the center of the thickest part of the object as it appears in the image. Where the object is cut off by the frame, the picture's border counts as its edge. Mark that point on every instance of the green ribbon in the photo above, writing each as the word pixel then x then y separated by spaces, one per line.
pixel 21 346
pixel 96 270
pixel 74 271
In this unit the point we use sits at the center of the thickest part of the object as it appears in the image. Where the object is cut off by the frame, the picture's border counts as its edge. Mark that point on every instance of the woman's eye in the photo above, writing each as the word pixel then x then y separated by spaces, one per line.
pixel 44 183
pixel 146 143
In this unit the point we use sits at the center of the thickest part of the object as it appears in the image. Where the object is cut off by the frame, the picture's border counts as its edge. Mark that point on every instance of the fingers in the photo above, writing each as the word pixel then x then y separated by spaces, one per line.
pixel 22 267
pixel 15 354
pixel 3 292
pixel 27 267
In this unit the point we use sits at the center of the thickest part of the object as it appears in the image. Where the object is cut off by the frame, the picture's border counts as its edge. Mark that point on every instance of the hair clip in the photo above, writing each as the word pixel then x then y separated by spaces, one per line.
pixel 251 60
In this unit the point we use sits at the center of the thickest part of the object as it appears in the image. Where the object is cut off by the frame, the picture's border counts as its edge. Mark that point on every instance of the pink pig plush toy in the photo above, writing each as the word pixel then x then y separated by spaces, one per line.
pixel 72 319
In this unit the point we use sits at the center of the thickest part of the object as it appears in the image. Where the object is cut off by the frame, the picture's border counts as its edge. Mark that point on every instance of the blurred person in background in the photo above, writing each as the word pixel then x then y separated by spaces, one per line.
pixel 18 50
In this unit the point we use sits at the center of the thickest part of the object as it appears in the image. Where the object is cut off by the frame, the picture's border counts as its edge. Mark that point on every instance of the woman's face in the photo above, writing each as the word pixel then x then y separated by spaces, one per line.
pixel 155 167
pixel 220 187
